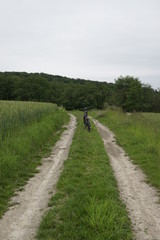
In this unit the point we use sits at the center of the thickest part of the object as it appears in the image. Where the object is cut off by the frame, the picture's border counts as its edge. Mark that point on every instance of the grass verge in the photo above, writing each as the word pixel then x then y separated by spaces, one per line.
pixel 138 134
pixel 22 151
pixel 86 205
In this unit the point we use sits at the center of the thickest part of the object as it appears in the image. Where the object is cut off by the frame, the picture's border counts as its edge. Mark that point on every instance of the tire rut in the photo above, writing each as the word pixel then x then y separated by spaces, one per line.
pixel 22 220
pixel 140 198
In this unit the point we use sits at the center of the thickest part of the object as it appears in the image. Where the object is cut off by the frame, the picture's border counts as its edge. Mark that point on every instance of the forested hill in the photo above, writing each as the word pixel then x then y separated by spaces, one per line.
pixel 127 92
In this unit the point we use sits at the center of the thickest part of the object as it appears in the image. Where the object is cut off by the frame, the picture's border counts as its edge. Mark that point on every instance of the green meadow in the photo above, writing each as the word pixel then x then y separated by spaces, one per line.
pixel 27 132
pixel 139 135
pixel 86 204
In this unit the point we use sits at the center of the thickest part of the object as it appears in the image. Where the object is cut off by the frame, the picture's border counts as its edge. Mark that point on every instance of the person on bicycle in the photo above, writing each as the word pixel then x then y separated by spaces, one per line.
pixel 85 117
pixel 88 125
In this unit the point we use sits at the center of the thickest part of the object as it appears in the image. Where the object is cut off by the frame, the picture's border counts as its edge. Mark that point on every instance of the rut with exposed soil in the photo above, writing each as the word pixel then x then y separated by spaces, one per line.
pixel 140 198
pixel 22 220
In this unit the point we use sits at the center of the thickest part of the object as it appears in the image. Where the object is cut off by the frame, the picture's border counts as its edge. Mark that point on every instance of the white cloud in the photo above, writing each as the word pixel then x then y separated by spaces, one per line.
pixel 93 39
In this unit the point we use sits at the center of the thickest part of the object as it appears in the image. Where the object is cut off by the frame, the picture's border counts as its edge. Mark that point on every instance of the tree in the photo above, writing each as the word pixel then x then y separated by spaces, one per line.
pixel 129 93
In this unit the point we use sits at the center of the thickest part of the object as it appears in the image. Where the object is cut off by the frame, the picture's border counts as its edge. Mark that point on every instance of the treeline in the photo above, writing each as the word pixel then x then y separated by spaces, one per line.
pixel 127 92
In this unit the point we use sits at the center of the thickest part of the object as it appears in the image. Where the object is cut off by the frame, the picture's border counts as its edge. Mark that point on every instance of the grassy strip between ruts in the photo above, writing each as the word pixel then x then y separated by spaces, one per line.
pixel 22 152
pixel 138 134
pixel 86 205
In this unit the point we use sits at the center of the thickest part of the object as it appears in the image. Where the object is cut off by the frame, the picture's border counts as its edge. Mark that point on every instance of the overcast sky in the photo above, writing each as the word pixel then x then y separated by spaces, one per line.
pixel 90 39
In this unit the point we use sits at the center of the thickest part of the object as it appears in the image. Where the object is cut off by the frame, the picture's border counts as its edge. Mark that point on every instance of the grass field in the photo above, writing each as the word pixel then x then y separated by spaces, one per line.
pixel 87 204
pixel 139 135
pixel 27 131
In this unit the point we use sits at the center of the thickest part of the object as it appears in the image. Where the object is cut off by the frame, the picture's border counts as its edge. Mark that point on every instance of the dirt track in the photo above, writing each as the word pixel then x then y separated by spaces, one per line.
pixel 141 199
pixel 22 220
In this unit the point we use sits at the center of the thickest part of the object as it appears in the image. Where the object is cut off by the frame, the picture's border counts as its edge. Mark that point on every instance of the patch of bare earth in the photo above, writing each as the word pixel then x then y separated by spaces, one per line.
pixel 21 221
pixel 140 198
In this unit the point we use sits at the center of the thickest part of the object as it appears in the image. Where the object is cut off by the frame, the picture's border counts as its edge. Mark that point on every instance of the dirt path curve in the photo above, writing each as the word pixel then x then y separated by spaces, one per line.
pixel 141 199
pixel 22 220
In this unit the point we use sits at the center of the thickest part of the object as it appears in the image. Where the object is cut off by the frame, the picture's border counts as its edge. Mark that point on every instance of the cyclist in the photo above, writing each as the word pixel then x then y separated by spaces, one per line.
pixel 88 125
pixel 85 117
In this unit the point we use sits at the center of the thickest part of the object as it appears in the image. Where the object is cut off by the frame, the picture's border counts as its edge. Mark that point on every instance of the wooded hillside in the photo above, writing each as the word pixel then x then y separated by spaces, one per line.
pixel 127 92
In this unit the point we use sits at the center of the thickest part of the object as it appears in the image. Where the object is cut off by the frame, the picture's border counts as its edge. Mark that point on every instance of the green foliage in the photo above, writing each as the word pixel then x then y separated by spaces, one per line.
pixel 86 204
pixel 138 134
pixel 71 93
pixel 29 132
pixel 131 95
pixel 127 92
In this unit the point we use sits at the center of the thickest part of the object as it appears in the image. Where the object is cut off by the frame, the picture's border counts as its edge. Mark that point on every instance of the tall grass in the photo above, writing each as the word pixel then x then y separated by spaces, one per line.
pixel 86 205
pixel 14 115
pixel 139 134
pixel 27 130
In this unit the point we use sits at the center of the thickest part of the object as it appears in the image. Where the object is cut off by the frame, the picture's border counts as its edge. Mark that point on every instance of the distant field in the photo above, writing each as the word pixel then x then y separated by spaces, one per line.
pixel 139 135
pixel 27 130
